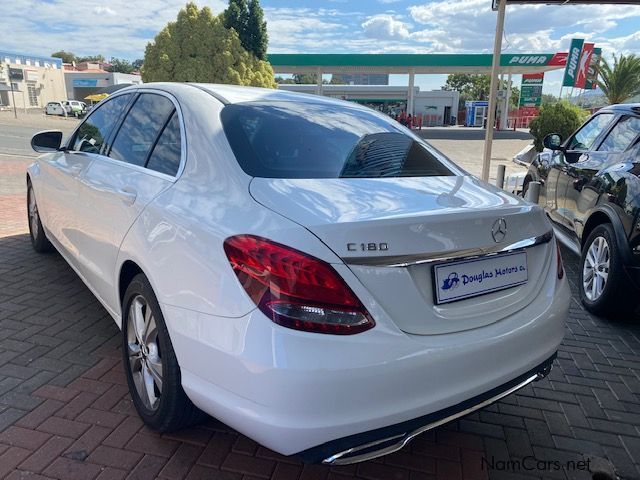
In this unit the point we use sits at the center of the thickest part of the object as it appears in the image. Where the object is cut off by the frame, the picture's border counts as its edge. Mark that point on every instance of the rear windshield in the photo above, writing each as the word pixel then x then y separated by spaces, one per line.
pixel 315 140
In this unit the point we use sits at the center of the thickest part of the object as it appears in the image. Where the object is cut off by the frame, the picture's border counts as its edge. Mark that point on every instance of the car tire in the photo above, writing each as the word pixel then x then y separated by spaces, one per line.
pixel 150 363
pixel 603 289
pixel 39 240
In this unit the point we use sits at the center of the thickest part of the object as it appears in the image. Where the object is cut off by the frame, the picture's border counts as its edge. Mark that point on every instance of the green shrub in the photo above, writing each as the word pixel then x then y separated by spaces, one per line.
pixel 562 117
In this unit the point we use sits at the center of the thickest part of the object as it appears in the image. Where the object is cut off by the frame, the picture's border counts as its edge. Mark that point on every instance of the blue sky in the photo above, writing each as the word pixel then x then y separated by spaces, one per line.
pixel 122 28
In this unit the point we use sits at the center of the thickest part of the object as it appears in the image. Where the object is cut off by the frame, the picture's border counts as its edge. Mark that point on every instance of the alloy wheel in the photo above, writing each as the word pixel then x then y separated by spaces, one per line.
pixel 144 352
pixel 595 271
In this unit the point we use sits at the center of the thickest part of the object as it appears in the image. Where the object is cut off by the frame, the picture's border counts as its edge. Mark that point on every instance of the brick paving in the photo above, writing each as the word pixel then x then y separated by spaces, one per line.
pixel 65 412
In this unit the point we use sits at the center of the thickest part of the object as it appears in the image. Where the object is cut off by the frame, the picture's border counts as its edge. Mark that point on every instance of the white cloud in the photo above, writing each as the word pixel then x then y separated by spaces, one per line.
pixel 385 27
pixel 99 10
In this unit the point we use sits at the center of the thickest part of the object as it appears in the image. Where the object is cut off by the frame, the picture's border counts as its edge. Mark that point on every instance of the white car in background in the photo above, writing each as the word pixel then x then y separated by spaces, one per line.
pixel 304 269
pixel 54 108
pixel 74 107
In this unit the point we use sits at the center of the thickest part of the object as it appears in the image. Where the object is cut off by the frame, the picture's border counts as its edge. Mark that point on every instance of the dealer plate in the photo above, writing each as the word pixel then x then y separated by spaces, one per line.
pixel 469 278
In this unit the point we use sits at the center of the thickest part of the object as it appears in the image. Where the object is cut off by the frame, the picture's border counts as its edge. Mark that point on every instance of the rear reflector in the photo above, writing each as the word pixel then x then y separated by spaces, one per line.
pixel 294 289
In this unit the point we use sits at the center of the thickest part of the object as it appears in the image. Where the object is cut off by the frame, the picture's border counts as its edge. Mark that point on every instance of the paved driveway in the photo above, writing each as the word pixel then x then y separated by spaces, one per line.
pixel 65 412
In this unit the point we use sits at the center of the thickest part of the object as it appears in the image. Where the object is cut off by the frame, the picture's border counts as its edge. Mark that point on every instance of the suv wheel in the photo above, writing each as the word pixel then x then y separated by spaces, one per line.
pixel 603 289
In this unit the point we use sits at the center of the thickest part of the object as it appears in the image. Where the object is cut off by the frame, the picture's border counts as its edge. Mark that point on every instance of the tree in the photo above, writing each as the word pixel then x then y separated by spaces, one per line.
pixel 305 78
pixel 620 81
pixel 236 17
pixel 198 48
pixel 561 117
pixel 470 86
pixel 514 99
pixel 247 19
pixel 120 66
pixel 257 31
pixel 548 99
pixel 137 64
pixel 337 80
pixel 90 58
pixel 67 57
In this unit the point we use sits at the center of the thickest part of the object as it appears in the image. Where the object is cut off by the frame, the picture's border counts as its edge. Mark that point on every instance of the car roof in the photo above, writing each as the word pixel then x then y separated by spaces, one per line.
pixel 633 108
pixel 229 94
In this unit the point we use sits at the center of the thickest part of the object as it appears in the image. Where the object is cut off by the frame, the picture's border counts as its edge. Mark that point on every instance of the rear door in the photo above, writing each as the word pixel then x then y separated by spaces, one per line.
pixel 141 160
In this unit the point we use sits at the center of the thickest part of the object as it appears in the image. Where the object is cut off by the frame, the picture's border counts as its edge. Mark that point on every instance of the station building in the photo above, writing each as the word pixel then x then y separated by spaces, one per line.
pixel 437 107
pixel 30 81
pixel 414 101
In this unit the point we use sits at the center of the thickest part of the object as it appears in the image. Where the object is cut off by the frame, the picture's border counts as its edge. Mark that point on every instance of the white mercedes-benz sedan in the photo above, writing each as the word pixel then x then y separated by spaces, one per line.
pixel 304 269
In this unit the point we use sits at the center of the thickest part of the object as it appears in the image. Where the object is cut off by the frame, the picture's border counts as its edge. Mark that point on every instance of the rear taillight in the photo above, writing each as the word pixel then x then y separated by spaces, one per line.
pixel 294 289
pixel 560 267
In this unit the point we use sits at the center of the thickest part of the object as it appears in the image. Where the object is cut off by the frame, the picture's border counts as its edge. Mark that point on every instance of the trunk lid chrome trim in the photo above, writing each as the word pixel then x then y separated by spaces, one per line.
pixel 408 260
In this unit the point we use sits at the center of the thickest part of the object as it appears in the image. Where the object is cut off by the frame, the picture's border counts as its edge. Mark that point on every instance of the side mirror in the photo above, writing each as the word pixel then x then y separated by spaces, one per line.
pixel 47 141
pixel 552 141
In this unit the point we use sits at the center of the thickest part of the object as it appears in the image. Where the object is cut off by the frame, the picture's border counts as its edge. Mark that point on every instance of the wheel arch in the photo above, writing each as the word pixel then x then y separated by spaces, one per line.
pixel 606 214
pixel 128 270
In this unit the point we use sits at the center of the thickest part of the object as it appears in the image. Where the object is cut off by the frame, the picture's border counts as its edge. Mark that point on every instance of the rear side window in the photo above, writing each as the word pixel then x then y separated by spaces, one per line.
pixel 140 129
pixel 96 128
pixel 621 135
pixel 165 157
pixel 318 140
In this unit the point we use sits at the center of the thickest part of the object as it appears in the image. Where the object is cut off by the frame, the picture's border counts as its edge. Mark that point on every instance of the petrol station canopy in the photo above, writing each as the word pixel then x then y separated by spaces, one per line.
pixel 513 63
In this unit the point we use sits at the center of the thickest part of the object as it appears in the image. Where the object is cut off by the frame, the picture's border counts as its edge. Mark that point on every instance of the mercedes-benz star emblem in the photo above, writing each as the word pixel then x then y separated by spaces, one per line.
pixel 499 230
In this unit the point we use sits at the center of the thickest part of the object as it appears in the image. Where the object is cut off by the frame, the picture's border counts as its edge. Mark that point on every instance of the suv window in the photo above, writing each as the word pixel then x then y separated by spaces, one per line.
pixel 585 137
pixel 322 140
pixel 621 135
pixel 141 128
pixel 97 127
pixel 165 157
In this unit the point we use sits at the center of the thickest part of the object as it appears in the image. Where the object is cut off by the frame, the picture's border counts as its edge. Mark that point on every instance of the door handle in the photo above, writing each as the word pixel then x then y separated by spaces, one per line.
pixel 128 195
pixel 75 169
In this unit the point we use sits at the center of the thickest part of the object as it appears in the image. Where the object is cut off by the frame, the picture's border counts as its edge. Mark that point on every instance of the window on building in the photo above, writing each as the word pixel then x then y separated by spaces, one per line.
pixel 33 95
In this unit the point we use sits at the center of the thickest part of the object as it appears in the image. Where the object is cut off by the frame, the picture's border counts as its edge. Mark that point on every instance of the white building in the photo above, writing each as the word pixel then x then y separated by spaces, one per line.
pixel 29 81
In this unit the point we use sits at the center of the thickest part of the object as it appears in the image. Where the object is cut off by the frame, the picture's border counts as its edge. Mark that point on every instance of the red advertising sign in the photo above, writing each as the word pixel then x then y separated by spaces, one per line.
pixel 583 66
pixel 559 59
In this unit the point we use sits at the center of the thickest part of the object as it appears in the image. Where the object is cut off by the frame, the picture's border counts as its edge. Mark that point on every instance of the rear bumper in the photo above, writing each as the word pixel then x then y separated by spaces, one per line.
pixel 296 392
pixel 376 443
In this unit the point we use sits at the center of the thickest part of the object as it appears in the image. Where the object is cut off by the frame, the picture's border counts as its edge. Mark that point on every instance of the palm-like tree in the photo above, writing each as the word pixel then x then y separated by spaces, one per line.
pixel 622 80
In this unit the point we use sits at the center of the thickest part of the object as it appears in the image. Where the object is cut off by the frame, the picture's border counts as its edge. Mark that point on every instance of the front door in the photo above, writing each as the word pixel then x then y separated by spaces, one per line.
pixel 63 174
pixel 576 166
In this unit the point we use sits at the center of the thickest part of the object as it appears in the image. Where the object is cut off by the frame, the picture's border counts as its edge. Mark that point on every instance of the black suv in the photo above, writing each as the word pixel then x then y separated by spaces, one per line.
pixel 590 188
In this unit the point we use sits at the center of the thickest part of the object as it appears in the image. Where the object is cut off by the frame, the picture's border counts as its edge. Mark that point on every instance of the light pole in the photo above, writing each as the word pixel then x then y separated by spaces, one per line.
pixel 497 47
